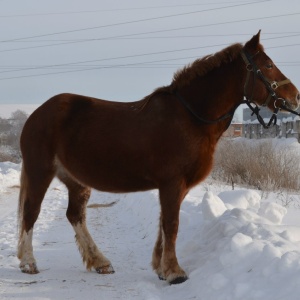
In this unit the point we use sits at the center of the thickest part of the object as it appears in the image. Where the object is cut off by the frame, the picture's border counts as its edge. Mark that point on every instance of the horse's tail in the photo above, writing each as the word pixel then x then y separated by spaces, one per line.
pixel 22 197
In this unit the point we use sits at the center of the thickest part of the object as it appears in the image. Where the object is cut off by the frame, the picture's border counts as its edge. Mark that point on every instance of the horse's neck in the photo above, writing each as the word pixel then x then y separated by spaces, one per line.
pixel 216 93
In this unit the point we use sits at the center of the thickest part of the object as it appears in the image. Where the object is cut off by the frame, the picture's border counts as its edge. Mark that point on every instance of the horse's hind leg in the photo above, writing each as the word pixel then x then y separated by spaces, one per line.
pixel 76 214
pixel 32 191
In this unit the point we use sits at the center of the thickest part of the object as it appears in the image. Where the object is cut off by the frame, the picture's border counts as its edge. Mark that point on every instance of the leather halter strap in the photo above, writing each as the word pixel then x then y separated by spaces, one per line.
pixel 270 85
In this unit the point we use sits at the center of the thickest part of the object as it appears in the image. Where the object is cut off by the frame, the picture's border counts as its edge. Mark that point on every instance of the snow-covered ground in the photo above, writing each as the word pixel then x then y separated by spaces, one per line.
pixel 232 244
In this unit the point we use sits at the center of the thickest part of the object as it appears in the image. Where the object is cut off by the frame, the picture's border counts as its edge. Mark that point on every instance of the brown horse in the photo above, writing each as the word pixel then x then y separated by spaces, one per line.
pixel 165 141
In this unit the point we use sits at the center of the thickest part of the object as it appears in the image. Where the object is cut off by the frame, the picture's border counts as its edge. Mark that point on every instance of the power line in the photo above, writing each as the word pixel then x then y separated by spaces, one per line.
pixel 142 65
pixel 124 57
pixel 175 29
pixel 130 56
pixel 281 46
pixel 151 32
pixel 119 9
pixel 291 33
pixel 89 69
pixel 117 65
pixel 136 21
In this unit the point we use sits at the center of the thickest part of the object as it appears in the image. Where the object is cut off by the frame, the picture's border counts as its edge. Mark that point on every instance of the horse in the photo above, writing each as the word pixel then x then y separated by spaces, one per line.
pixel 165 141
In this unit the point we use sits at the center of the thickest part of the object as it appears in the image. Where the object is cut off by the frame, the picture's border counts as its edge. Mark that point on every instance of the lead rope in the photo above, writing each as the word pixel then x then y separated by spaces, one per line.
pixel 255 111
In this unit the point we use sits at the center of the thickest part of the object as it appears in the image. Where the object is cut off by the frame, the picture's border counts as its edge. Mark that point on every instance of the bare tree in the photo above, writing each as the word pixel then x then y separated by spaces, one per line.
pixel 10 132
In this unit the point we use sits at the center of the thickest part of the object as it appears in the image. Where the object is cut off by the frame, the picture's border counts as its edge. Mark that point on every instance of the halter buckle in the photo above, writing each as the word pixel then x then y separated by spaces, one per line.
pixel 274 85
pixel 249 68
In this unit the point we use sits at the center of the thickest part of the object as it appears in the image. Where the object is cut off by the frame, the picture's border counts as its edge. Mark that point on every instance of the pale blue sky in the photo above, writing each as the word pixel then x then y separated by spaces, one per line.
pixel 129 47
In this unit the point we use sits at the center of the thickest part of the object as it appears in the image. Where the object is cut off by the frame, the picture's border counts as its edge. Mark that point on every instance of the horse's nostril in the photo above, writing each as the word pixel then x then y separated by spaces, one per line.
pixel 298 97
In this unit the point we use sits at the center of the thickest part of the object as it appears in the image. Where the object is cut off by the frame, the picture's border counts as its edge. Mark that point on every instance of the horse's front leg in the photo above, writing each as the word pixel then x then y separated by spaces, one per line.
pixel 157 253
pixel 164 255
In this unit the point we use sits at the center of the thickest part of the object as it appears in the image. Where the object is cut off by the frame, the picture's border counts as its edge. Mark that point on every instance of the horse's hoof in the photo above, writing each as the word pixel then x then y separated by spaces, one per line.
pixel 105 270
pixel 178 280
pixel 29 268
pixel 161 277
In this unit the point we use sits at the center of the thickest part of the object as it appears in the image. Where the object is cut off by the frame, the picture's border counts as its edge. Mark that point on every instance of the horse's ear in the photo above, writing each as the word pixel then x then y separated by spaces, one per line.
pixel 253 44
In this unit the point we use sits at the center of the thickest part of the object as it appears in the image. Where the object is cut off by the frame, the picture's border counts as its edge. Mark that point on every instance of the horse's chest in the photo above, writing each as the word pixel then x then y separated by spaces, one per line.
pixel 200 167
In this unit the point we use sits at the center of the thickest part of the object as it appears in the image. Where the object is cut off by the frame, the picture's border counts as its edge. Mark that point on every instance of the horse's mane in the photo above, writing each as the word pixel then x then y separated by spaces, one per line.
pixel 200 67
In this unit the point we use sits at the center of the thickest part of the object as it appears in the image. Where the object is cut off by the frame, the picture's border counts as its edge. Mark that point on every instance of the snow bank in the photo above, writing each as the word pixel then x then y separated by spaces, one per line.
pixel 9 175
pixel 9 183
pixel 233 246
pixel 212 206
pixel 241 252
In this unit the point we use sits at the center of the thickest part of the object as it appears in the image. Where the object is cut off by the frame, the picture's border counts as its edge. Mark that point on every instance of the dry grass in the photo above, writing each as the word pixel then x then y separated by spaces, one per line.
pixel 258 163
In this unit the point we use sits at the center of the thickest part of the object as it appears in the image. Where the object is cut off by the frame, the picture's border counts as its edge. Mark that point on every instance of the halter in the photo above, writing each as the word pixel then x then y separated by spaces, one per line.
pixel 271 87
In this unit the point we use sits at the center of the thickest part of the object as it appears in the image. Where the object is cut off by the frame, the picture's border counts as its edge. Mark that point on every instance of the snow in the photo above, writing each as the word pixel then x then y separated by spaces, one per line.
pixel 232 244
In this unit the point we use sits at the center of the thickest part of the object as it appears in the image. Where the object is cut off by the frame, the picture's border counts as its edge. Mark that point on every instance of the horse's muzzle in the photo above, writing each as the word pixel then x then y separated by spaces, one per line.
pixel 292 104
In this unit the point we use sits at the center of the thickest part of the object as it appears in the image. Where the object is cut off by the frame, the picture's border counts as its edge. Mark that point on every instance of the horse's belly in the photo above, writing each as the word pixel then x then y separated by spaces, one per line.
pixel 117 183
pixel 110 175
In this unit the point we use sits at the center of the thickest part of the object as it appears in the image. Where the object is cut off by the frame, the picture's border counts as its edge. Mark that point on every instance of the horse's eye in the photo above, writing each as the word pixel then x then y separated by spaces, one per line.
pixel 269 66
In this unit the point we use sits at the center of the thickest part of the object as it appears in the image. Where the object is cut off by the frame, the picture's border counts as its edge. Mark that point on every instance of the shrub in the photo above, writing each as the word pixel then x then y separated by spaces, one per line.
pixel 264 164
pixel 10 132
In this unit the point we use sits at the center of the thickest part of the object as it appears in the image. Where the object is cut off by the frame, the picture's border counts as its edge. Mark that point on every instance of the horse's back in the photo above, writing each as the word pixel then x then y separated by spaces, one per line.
pixel 70 112
pixel 103 144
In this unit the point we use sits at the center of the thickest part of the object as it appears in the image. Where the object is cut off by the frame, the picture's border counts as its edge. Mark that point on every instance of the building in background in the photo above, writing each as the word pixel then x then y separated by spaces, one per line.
pixel 234 130
pixel 288 125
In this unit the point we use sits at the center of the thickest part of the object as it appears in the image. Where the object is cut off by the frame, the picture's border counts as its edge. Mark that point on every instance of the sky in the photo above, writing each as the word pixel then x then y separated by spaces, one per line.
pixel 123 50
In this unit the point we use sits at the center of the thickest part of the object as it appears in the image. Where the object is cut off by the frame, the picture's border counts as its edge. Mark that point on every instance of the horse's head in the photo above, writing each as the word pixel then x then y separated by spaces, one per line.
pixel 265 85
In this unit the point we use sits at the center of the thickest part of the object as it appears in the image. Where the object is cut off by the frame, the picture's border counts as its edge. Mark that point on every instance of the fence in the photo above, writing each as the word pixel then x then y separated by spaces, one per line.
pixel 285 128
